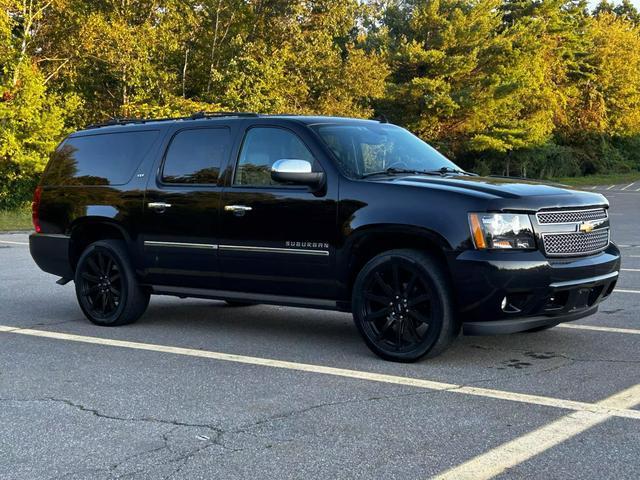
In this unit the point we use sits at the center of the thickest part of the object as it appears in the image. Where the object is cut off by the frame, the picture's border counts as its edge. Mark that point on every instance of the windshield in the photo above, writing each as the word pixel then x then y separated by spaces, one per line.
pixel 365 149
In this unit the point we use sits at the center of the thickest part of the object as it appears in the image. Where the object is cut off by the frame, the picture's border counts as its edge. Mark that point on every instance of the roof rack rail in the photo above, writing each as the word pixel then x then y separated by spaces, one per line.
pixel 115 121
pixel 204 114
pixel 195 116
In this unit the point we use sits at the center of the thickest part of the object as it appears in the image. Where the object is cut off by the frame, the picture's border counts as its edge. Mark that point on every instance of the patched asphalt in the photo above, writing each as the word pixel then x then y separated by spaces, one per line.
pixel 82 411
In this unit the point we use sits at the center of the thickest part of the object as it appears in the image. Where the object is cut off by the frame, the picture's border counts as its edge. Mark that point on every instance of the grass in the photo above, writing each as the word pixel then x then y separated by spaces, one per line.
pixel 18 219
pixel 593 180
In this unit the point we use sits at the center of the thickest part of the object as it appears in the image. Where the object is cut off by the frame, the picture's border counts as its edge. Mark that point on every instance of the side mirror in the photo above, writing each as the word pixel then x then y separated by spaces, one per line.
pixel 300 172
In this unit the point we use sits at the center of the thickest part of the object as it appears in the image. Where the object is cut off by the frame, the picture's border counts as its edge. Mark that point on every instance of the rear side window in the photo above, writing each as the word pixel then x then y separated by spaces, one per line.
pixel 103 159
pixel 195 156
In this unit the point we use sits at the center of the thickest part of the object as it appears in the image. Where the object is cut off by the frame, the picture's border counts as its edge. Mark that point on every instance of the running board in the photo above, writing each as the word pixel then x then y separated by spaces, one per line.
pixel 63 281
pixel 265 298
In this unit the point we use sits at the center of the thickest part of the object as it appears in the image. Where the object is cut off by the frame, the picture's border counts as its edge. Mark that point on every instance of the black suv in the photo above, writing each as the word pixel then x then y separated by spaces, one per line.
pixel 334 213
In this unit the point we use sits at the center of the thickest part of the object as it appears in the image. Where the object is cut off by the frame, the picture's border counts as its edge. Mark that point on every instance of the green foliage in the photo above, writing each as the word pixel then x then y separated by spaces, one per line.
pixel 16 219
pixel 518 86
pixel 32 120
pixel 526 87
pixel 603 179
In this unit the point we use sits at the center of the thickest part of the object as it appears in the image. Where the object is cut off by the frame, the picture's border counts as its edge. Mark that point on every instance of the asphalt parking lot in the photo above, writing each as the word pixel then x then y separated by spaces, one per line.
pixel 197 389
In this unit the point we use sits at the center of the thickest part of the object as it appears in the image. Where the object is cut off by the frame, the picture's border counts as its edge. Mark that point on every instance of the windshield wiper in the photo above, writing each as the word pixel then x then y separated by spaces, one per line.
pixel 441 171
pixel 444 170
pixel 393 171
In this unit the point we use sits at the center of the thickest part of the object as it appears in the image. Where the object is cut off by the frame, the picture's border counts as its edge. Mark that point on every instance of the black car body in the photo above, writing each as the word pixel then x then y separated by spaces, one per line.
pixel 303 240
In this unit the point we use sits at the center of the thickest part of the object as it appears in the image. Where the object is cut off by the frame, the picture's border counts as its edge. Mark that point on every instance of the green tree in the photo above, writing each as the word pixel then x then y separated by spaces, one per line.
pixel 31 119
pixel 507 86
pixel 469 80
pixel 628 11
pixel 307 59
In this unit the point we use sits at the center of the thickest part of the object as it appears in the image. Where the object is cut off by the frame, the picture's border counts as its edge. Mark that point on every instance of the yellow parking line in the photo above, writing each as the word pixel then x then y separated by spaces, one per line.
pixel 497 460
pixel 338 372
pixel 631 331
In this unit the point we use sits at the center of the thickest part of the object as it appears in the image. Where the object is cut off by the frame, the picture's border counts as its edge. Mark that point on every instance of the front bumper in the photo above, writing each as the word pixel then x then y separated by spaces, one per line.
pixel 539 291
pixel 522 324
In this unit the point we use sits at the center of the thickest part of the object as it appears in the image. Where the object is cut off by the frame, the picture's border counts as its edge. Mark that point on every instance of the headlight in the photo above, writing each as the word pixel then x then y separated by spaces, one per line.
pixel 501 231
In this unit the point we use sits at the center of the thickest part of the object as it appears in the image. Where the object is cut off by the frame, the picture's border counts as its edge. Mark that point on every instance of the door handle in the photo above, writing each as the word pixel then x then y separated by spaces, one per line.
pixel 238 210
pixel 158 206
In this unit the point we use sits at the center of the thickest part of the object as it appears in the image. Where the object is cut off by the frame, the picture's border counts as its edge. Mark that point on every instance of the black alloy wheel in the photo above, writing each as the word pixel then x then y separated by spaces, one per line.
pixel 402 306
pixel 101 284
pixel 106 287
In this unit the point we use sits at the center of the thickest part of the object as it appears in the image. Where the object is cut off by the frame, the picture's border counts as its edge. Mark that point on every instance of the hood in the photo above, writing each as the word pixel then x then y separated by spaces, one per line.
pixel 505 193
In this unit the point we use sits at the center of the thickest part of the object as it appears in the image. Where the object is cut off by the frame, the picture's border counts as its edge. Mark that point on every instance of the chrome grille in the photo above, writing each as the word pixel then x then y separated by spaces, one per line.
pixel 578 243
pixel 571 216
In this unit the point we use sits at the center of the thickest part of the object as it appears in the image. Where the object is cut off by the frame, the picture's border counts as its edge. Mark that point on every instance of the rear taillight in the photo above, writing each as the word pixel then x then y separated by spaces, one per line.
pixel 35 209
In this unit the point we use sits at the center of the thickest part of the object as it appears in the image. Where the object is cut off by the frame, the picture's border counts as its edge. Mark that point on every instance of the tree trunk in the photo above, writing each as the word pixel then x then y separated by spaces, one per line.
pixel 184 72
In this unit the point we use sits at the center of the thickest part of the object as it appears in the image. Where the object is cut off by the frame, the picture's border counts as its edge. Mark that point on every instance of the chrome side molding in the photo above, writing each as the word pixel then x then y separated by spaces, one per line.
pixel 237 208
pixel 206 246
pixel 292 251
pixel 237 248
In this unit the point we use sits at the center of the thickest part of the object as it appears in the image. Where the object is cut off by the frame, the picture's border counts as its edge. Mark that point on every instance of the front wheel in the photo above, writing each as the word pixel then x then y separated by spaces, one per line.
pixel 402 306
pixel 106 286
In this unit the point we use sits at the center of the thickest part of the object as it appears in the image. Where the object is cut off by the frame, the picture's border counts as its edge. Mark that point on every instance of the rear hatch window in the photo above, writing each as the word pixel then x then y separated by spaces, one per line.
pixel 101 159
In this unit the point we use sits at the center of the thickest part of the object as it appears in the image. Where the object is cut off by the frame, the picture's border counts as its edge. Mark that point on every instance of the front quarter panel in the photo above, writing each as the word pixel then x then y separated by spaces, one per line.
pixel 440 213
pixel 368 208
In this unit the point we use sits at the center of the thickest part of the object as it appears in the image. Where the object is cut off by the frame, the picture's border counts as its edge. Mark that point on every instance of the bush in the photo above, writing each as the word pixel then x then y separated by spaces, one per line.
pixel 16 188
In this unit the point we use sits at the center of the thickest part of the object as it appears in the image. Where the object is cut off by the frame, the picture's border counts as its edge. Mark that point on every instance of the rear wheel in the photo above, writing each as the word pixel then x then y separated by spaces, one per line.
pixel 402 306
pixel 106 286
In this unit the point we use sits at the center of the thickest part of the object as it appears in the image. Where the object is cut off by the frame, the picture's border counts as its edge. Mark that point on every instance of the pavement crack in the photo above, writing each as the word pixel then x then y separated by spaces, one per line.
pixel 184 458
pixel 98 414
pixel 301 411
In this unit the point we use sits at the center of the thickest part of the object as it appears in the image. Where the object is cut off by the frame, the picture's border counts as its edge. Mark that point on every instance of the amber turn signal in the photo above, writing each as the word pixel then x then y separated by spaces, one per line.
pixel 476 231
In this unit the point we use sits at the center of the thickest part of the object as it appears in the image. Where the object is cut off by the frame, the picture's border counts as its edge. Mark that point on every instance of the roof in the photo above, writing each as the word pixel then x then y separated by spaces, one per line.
pixel 213 116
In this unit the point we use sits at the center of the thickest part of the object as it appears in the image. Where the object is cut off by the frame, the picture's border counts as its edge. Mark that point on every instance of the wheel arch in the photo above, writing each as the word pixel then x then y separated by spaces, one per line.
pixel 87 230
pixel 367 242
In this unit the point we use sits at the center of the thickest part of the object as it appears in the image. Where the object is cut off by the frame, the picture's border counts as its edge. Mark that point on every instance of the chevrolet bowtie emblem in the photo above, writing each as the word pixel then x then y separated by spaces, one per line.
pixel 586 227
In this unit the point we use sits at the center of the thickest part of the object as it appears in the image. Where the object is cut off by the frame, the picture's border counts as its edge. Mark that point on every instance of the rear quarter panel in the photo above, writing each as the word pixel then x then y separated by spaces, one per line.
pixel 63 208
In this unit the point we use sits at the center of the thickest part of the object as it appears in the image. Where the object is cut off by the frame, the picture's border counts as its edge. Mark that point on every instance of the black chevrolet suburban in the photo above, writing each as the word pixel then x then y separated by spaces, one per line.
pixel 354 215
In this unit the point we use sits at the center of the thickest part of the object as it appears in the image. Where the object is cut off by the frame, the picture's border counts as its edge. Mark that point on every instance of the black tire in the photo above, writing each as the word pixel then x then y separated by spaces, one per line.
pixel 238 303
pixel 400 294
pixel 106 286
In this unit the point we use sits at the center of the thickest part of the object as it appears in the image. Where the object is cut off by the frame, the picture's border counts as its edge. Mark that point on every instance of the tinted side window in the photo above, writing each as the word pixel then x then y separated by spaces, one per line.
pixel 102 159
pixel 194 156
pixel 263 146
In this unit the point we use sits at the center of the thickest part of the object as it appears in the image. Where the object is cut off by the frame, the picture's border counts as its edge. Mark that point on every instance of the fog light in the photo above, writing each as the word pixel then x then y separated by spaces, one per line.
pixel 513 303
